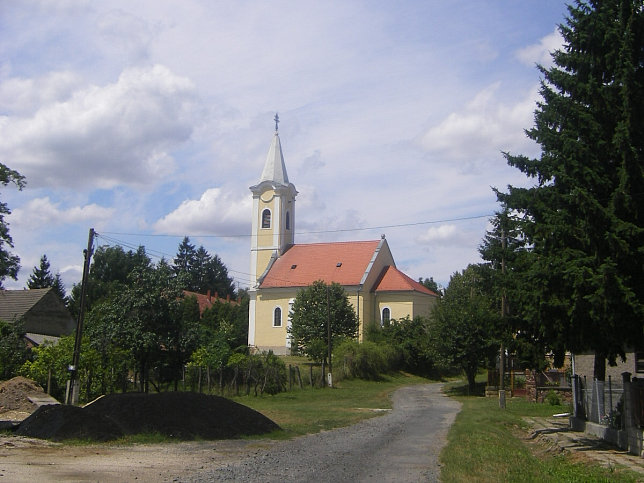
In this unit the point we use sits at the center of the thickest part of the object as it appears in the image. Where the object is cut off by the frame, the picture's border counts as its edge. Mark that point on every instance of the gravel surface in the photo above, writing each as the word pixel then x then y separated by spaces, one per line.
pixel 401 446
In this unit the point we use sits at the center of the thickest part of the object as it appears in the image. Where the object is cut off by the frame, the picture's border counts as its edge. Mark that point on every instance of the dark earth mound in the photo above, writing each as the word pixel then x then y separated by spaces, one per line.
pixel 180 415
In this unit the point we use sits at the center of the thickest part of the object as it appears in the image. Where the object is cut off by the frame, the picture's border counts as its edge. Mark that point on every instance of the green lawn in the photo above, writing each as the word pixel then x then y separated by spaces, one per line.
pixel 304 411
pixel 484 445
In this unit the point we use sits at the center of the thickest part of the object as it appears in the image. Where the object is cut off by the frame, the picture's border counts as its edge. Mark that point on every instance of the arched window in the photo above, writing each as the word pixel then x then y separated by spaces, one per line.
pixel 288 220
pixel 266 218
pixel 386 317
pixel 277 317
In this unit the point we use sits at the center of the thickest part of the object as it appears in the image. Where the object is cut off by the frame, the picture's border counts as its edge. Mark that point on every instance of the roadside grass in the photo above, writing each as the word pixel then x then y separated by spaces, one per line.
pixel 484 446
pixel 307 410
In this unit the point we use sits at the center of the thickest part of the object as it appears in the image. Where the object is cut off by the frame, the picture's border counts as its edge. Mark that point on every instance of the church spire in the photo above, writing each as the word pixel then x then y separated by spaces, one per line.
pixel 275 169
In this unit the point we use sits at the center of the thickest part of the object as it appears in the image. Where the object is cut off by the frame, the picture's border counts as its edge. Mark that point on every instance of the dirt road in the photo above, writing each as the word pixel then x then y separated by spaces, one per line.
pixel 402 445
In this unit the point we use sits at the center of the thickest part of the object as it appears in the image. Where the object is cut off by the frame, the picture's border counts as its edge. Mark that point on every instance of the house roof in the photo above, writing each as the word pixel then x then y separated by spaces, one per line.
pixel 41 311
pixel 393 280
pixel 14 304
pixel 206 301
pixel 341 262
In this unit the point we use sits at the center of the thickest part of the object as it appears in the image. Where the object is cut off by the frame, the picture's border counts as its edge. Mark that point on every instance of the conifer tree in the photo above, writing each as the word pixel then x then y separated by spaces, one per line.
pixel 41 277
pixel 198 271
pixel 583 218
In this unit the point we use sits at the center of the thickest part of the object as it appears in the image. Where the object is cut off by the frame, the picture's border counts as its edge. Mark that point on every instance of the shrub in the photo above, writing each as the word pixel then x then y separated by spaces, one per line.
pixel 367 360
pixel 553 398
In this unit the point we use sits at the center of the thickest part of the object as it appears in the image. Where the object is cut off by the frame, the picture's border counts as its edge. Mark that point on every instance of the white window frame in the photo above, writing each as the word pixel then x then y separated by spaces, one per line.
pixel 382 315
pixel 270 219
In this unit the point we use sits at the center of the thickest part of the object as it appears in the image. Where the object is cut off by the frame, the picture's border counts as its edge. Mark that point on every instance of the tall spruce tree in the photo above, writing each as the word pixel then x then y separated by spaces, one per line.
pixel 584 215
pixel 41 277
pixel 198 271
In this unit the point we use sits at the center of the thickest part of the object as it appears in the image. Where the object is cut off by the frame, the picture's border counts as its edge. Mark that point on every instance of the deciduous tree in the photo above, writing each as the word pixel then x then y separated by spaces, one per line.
pixel 13 349
pixel 316 306
pixel 9 263
pixel 464 328
pixel 111 266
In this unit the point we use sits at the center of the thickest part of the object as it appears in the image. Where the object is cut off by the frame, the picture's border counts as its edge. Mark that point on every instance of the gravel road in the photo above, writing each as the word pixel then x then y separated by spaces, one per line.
pixel 402 446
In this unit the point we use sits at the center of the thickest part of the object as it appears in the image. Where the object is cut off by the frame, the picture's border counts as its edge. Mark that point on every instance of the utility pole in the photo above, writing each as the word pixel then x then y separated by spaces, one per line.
pixel 503 303
pixel 328 328
pixel 71 397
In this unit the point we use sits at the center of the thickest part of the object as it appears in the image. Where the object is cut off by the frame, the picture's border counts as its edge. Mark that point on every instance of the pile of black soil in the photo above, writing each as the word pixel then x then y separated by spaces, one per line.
pixel 180 415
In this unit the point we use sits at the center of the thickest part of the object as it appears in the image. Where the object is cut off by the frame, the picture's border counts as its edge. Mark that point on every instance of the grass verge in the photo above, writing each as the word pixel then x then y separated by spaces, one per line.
pixel 304 411
pixel 484 446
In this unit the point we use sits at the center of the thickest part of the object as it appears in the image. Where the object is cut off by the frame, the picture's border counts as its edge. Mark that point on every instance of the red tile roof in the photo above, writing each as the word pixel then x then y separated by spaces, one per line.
pixel 341 262
pixel 393 280
pixel 206 301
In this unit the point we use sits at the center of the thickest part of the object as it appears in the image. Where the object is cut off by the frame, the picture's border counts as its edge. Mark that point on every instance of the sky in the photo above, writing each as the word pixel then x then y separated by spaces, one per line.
pixel 149 120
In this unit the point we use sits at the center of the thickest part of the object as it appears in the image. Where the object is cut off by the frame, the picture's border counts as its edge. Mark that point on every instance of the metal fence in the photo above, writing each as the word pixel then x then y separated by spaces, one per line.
pixel 599 401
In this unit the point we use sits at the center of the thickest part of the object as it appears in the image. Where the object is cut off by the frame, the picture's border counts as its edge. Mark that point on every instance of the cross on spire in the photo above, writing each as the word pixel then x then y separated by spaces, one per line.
pixel 277 120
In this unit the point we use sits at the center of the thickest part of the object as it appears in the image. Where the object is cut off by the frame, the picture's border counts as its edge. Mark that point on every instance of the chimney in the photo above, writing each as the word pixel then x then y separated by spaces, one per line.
pixel 208 295
pixel 228 298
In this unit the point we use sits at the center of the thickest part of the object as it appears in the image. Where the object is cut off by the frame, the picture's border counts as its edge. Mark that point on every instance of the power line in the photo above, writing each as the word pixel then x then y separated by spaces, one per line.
pixel 245 276
pixel 339 230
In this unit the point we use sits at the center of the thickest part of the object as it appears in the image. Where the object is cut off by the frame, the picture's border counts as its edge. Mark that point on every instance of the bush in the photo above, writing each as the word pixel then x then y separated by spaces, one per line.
pixel 553 398
pixel 367 360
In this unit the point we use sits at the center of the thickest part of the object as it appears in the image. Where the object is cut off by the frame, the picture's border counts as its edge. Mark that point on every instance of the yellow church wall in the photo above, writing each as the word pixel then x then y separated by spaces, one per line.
pixel 401 305
pixel 423 304
pixel 272 338
pixel 267 336
pixel 263 257
pixel 265 235
pixel 404 304
pixel 366 313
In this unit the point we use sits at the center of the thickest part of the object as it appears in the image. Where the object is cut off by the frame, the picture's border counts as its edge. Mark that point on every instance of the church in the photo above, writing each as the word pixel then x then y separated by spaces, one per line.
pixel 279 267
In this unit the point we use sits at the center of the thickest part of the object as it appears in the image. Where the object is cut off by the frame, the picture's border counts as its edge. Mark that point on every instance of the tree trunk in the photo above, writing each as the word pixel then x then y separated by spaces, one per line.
pixel 199 380
pixel 221 378
pixel 471 381
pixel 600 367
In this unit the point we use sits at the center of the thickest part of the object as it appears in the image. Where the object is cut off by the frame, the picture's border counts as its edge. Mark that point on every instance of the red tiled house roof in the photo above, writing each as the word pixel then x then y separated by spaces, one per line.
pixel 206 301
pixel 393 280
pixel 342 262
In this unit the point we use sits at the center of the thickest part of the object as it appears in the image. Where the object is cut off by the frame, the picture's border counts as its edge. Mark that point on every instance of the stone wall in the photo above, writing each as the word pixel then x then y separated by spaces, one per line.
pixel 585 366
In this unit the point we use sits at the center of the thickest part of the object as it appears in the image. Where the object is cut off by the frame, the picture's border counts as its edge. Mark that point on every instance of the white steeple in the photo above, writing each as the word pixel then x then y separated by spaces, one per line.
pixel 275 169
pixel 273 229
pixel 273 222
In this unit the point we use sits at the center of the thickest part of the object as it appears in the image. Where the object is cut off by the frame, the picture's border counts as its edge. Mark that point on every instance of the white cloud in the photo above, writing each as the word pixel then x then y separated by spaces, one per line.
pixel 540 53
pixel 104 136
pixel 216 212
pixel 42 211
pixel 485 127
pixel 23 97
pixel 439 235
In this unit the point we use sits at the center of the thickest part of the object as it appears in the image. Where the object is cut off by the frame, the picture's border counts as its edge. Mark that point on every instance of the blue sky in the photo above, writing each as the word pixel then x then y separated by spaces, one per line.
pixel 149 120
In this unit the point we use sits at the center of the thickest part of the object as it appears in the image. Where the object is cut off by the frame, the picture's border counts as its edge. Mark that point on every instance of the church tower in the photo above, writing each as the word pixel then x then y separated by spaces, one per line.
pixel 273 223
